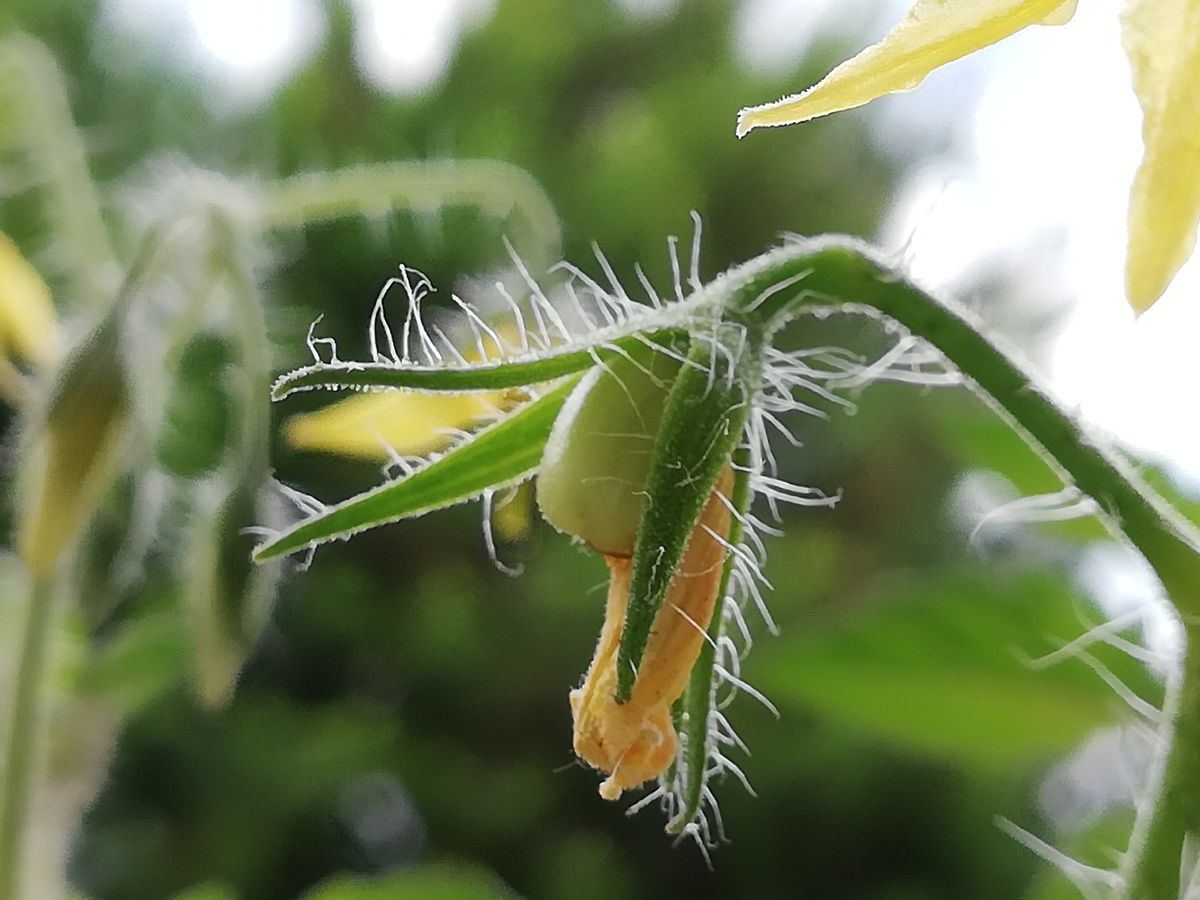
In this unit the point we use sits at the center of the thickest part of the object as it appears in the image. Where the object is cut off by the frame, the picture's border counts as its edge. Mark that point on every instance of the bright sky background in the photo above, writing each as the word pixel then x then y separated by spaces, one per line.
pixel 1050 139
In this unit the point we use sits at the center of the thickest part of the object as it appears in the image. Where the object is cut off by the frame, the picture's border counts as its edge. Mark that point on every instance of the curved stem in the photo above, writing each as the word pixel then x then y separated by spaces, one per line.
pixel 25 726
pixel 841 275
pixel 495 187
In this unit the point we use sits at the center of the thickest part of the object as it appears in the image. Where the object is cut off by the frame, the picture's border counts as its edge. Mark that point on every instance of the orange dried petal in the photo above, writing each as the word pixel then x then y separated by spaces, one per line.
pixel 635 742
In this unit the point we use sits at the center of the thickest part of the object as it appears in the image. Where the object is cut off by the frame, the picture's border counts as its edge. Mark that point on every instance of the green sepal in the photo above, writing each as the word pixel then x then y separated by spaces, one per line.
pixel 696 704
pixel 483 376
pixel 701 426
pixel 501 454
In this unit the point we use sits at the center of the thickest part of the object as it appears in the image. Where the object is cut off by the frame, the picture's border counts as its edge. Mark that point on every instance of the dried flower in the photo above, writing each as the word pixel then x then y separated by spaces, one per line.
pixel 635 741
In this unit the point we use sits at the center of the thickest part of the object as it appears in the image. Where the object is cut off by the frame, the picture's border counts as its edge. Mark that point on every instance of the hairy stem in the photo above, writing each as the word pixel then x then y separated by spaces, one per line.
pixel 39 113
pixel 254 348
pixel 1171 810
pixel 495 187
pixel 839 274
pixel 25 728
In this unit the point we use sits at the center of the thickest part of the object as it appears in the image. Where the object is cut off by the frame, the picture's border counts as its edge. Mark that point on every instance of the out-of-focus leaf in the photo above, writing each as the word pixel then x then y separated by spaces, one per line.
pixel 1100 845
pixel 940 666
pixel 984 440
pixel 207 891
pixel 196 421
pixel 139 663
pixel 444 881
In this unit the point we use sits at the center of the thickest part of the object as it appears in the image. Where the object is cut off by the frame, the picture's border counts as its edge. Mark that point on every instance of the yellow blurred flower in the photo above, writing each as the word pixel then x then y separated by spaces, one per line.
pixel 27 326
pixel 1160 39
pixel 366 425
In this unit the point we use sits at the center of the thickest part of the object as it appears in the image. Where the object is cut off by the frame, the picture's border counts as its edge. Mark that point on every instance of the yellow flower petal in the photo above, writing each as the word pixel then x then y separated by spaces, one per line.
pixel 1162 40
pixel 934 33
pixel 365 425
pixel 27 330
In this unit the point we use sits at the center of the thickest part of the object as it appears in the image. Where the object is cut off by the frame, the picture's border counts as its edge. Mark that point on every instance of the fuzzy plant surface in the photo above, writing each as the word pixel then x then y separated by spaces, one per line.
pixel 648 424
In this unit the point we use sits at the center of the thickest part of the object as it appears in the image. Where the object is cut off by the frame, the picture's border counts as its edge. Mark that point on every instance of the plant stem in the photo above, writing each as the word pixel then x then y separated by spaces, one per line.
pixel 495 187
pixel 26 721
pixel 841 275
pixel 41 115
pixel 1171 809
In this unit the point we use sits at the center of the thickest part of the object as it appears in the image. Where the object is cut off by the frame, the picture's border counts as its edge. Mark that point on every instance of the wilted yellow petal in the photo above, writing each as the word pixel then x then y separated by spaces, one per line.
pixel 934 33
pixel 365 425
pixel 26 309
pixel 635 741
pixel 1162 40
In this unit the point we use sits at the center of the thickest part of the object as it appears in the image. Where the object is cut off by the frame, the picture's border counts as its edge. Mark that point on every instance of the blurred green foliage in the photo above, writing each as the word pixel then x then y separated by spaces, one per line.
pixel 401 728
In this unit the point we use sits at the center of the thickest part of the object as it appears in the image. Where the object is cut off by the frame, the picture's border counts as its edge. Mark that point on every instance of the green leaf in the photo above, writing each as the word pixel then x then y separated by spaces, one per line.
pixel 441 881
pixel 940 666
pixel 209 890
pixel 982 439
pixel 701 425
pixel 485 376
pixel 504 453
pixel 139 664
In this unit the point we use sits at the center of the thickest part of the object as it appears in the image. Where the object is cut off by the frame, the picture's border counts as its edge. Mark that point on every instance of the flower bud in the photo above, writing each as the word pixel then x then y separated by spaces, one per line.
pixel 71 447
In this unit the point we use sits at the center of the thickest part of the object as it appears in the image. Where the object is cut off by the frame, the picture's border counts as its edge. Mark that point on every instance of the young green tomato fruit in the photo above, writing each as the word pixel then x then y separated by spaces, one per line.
pixel 592 480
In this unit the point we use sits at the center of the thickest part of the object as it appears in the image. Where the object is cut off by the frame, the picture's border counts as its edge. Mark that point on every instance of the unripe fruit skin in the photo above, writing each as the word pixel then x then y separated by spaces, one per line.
pixel 591 483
